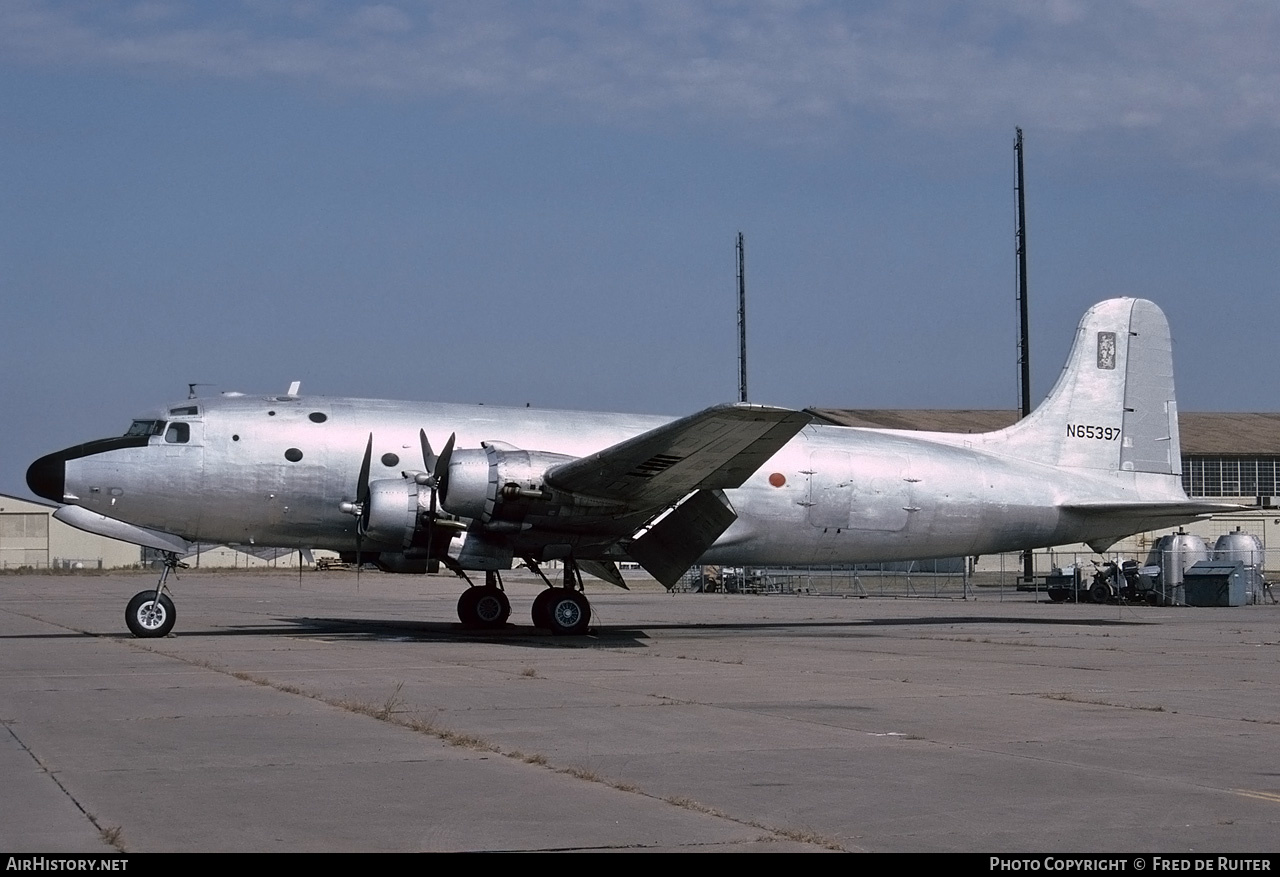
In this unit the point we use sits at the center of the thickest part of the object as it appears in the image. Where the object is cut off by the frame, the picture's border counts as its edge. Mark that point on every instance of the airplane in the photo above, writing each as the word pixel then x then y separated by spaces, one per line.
pixel 735 484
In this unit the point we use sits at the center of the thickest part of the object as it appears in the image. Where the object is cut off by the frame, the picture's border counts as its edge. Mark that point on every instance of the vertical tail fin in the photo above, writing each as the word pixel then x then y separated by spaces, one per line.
pixel 1113 406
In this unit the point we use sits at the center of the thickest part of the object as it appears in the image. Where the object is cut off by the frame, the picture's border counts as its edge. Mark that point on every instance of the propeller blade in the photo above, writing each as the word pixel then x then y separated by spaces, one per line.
pixel 362 497
pixel 362 482
pixel 442 467
pixel 429 459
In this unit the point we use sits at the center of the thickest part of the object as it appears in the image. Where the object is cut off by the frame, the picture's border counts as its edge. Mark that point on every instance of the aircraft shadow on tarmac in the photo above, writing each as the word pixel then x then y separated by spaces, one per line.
pixel 615 636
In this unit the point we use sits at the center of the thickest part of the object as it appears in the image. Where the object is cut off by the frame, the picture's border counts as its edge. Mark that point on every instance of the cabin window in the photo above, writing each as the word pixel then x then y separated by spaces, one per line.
pixel 318 417
pixel 293 455
pixel 146 427
pixel 178 433
pixel 390 460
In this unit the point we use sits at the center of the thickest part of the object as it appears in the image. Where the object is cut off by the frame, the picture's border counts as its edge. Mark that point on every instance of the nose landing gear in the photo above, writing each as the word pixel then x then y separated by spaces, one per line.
pixel 151 613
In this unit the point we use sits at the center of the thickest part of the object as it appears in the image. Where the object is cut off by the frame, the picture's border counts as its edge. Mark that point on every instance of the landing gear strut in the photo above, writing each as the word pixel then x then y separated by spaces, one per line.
pixel 485 606
pixel 151 613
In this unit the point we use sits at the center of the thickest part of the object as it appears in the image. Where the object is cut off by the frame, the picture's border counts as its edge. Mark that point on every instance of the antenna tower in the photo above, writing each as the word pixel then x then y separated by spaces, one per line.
pixel 742 319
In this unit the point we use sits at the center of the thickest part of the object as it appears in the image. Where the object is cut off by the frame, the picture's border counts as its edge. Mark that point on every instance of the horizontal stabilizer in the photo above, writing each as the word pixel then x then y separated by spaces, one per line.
pixel 1189 509
pixel 1110 521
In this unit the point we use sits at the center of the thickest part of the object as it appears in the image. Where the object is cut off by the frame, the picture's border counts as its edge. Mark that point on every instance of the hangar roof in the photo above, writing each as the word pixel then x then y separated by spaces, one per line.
pixel 1201 434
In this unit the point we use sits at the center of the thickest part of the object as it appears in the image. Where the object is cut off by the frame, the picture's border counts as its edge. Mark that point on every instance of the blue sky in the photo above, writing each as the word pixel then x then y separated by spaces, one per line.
pixel 537 202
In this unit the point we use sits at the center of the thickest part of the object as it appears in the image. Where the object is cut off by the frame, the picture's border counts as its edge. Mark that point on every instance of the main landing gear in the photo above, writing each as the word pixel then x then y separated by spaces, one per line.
pixel 485 605
pixel 564 611
pixel 151 613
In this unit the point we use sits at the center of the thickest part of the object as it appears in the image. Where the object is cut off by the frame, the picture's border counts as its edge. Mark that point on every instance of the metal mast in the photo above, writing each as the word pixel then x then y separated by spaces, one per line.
pixel 1024 349
pixel 742 319
pixel 1024 352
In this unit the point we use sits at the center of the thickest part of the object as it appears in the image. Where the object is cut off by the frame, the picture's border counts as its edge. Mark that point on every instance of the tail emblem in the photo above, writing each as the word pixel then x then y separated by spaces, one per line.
pixel 1107 350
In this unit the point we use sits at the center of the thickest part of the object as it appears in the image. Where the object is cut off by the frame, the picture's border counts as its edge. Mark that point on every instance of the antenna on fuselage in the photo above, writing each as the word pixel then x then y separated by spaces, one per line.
pixel 191 389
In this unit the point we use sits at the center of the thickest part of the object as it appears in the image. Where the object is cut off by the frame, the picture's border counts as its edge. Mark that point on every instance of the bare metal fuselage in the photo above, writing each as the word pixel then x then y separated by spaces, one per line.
pixel 832 495
pixel 1099 459
pixel 732 484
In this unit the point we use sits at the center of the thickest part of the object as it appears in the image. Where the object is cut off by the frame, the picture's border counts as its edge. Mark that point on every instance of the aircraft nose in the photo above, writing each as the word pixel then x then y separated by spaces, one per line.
pixel 47 477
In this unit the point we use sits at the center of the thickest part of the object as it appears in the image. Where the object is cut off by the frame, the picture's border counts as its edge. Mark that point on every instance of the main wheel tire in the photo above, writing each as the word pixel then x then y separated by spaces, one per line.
pixel 148 617
pixel 483 607
pixel 541 612
pixel 569 612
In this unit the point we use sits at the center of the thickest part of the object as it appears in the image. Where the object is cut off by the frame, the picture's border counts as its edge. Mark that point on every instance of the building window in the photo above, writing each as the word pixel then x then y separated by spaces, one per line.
pixel 1230 476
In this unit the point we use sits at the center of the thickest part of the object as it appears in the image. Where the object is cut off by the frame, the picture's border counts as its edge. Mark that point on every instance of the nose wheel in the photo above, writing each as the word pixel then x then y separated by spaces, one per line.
pixel 150 617
pixel 151 613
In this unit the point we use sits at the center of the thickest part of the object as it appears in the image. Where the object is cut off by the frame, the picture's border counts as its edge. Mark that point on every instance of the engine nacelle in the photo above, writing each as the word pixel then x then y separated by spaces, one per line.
pixel 391 512
pixel 497 482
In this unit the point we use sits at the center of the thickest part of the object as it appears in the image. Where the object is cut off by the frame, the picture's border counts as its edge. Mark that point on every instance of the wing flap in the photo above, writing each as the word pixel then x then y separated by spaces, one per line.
pixel 606 570
pixel 672 545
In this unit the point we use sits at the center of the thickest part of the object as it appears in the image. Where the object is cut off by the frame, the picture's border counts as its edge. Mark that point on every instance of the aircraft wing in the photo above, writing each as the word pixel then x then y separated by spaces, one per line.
pixel 92 522
pixel 266 552
pixel 718 448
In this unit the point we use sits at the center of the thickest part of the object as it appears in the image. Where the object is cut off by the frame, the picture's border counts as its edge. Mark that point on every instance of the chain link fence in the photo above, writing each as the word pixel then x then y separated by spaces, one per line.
pixel 1133 577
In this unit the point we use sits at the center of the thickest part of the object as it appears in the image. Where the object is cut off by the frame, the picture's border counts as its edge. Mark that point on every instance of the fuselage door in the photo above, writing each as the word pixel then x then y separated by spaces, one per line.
pixel 882 495
pixel 177 477
pixel 830 492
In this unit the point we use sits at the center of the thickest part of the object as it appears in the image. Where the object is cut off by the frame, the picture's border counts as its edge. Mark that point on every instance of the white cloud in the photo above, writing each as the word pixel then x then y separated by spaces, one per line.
pixel 1197 74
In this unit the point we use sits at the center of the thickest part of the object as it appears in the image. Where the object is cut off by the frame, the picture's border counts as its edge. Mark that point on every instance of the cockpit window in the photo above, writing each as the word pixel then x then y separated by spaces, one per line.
pixel 146 427
pixel 178 433
pixel 184 411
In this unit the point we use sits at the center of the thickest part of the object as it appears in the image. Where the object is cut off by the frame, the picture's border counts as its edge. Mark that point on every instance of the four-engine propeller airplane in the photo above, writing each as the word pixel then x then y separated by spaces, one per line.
pixel 734 484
